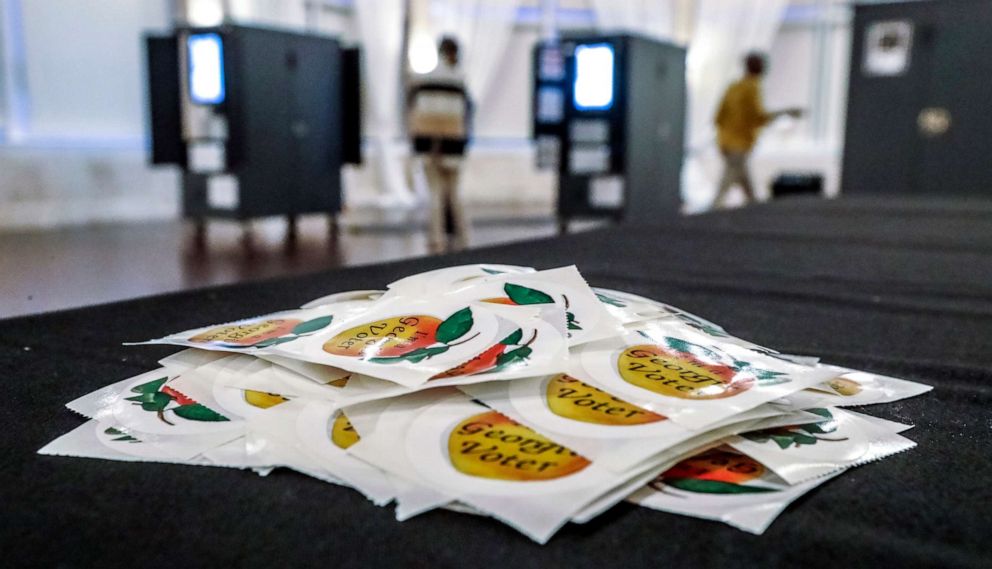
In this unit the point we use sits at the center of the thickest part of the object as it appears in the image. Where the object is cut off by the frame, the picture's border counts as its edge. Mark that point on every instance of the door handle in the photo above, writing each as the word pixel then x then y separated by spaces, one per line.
pixel 933 121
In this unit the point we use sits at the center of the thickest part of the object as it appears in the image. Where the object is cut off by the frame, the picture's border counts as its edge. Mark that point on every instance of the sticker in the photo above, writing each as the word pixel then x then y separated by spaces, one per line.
pixel 150 407
pixel 153 406
pixel 326 434
pixel 804 451
pixel 693 380
pixel 431 282
pixel 403 341
pixel 529 346
pixel 443 441
pixel 615 433
pixel 852 387
pixel 264 332
pixel 110 441
pixel 724 485
pixel 586 317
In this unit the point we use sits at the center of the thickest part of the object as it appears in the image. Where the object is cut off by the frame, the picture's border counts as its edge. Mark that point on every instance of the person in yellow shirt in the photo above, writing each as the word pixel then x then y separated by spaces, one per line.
pixel 739 120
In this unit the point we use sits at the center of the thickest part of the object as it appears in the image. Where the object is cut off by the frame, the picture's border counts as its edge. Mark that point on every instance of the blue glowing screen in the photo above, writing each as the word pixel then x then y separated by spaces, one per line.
pixel 206 68
pixel 593 87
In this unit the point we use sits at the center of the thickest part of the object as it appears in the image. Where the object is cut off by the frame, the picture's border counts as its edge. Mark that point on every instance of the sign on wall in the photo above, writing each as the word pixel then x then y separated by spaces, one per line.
pixel 888 48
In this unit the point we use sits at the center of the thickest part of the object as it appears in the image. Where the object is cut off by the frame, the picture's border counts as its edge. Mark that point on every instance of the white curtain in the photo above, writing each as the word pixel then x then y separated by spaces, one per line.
pixel 724 32
pixel 483 29
pixel 652 18
pixel 380 27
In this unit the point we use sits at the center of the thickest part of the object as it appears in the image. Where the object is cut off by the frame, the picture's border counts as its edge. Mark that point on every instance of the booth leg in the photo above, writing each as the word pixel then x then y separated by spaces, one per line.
pixel 247 236
pixel 199 234
pixel 292 232
pixel 562 225
pixel 332 226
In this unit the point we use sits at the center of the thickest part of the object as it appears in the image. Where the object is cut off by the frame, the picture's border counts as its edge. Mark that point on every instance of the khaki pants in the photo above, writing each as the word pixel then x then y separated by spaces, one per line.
pixel 735 171
pixel 447 214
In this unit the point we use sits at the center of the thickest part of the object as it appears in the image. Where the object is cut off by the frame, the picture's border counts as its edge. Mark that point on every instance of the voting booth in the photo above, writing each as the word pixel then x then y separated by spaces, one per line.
pixel 260 121
pixel 609 116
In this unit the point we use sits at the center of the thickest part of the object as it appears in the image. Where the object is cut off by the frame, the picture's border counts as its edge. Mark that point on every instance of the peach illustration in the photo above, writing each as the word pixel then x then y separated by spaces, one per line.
pixel 844 386
pixel 572 399
pixel 667 371
pixel 390 337
pixel 717 465
pixel 490 445
pixel 263 400
pixel 343 435
pixel 247 334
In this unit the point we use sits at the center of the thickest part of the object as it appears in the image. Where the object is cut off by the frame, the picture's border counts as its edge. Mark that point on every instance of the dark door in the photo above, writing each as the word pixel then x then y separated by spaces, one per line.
pixel 315 74
pixel 955 124
pixel 164 95
pixel 882 147
pixel 259 121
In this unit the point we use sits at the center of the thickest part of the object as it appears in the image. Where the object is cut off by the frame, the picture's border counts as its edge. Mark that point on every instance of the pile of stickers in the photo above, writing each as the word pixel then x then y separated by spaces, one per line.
pixel 499 390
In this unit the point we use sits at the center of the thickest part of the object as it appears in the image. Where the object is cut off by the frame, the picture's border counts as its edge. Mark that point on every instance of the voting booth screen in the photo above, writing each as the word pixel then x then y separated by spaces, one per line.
pixel 592 89
pixel 205 54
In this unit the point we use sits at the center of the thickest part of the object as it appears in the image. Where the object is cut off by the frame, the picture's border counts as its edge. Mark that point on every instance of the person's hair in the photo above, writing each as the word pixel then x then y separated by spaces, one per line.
pixel 755 63
pixel 448 47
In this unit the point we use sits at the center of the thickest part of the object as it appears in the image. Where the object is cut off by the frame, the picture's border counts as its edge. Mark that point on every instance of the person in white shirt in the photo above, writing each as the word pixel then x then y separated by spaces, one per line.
pixel 438 111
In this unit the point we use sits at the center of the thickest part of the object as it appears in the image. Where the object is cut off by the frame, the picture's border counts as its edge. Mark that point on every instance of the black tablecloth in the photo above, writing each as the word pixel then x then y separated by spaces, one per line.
pixel 903 289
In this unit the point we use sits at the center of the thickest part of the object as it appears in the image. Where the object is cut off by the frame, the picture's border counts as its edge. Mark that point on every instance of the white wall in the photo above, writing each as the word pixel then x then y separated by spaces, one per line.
pixel 505 112
pixel 78 155
pixel 85 66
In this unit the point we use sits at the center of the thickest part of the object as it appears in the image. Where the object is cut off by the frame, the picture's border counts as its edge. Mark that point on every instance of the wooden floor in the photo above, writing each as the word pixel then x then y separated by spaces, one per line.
pixel 53 270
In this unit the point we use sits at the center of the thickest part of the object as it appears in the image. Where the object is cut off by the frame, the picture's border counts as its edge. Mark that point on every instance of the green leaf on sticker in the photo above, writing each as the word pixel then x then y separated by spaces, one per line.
pixel 150 387
pixel 514 355
pixel 456 326
pixel 513 338
pixel 510 359
pixel 416 356
pixel 312 325
pixel 197 412
pixel 702 352
pixel 783 442
pixel 573 324
pixel 523 295
pixel 274 341
pixel 714 486
pixel 768 377
pixel 152 402
pixel 610 300
pixel 802 439
pixel 825 413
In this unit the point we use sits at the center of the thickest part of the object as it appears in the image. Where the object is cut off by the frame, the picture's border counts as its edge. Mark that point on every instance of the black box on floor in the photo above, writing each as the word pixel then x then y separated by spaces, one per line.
pixel 797 184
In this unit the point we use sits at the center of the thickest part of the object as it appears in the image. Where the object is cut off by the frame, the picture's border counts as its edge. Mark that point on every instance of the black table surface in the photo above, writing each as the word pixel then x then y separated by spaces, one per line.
pixel 898 288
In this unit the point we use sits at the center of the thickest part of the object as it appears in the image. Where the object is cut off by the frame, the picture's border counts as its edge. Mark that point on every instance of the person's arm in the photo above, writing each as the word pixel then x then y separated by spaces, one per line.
pixel 756 107
pixel 762 116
